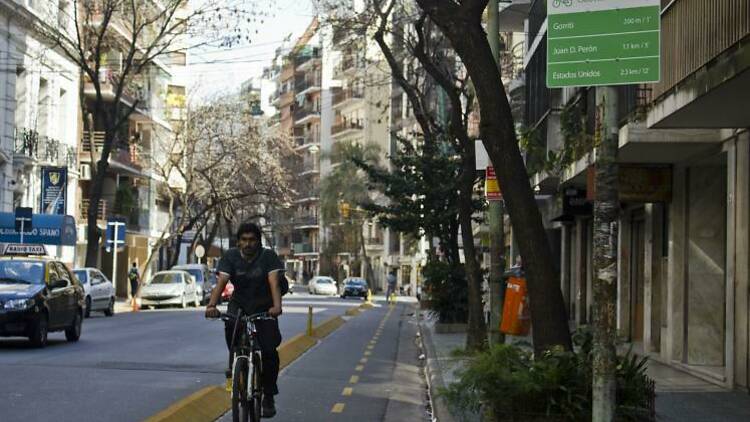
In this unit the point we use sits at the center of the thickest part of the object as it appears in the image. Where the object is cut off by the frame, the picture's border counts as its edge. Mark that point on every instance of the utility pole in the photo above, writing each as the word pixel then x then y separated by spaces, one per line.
pixel 496 208
pixel 606 209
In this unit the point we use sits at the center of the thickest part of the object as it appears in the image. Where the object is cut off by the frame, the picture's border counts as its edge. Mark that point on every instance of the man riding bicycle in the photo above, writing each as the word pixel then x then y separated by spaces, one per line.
pixel 254 272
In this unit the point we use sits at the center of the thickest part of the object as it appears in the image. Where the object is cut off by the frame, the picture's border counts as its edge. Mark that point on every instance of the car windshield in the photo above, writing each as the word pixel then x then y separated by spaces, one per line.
pixel 324 281
pixel 17 271
pixel 195 272
pixel 356 282
pixel 166 278
pixel 81 274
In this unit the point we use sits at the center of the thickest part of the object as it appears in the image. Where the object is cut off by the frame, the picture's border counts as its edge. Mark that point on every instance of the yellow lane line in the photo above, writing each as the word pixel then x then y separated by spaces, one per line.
pixel 338 408
pixel 354 379
pixel 368 353
pixel 363 360
pixel 370 347
pixel 347 391
pixel 360 368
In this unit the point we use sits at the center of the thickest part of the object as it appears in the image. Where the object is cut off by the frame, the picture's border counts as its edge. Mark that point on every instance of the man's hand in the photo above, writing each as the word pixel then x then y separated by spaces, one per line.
pixel 275 311
pixel 212 312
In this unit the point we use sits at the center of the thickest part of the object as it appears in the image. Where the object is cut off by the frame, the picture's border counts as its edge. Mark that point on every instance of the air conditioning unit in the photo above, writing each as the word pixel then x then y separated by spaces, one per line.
pixel 85 171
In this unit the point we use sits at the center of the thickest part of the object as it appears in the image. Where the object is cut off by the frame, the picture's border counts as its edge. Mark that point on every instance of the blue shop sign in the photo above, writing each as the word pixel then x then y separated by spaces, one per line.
pixel 47 229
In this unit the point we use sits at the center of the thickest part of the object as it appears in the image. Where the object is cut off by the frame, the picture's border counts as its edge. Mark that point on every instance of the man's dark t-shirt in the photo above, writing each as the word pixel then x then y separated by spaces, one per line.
pixel 250 278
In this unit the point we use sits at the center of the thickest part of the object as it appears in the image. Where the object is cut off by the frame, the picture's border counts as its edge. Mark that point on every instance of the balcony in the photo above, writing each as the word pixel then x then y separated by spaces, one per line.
pixel 302 248
pixel 306 114
pixel 307 85
pixel 345 97
pixel 306 59
pixel 347 127
pixel 103 213
pixel 131 155
pixel 306 140
pixel 30 146
pixel 108 86
pixel 705 74
pixel 309 221
pixel 308 195
pixel 349 64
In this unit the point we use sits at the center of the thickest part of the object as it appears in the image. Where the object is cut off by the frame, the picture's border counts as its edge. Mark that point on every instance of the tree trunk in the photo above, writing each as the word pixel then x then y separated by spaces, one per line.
pixel 605 260
pixel 462 26
pixel 476 338
pixel 95 196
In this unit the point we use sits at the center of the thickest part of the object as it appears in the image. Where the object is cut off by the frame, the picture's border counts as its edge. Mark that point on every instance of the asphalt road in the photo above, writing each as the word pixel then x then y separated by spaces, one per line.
pixel 130 366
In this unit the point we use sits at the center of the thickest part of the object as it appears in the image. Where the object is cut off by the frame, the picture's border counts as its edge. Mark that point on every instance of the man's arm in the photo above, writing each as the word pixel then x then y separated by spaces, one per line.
pixel 221 282
pixel 273 282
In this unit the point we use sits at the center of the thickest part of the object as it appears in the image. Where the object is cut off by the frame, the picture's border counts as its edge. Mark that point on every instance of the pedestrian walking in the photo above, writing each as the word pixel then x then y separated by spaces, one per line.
pixel 391 291
pixel 135 281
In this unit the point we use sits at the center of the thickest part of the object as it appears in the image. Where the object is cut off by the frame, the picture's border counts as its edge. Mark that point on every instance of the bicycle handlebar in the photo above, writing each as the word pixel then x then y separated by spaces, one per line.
pixel 225 316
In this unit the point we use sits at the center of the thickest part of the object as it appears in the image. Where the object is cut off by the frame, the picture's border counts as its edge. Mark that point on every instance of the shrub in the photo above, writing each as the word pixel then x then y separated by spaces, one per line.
pixel 446 288
pixel 513 385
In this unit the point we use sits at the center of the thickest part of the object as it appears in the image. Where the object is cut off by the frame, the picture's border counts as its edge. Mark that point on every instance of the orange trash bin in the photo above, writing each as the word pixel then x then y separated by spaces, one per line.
pixel 516 317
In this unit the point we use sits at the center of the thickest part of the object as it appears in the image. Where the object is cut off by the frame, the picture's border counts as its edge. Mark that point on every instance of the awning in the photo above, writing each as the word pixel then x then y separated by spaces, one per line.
pixel 46 229
pixel 563 218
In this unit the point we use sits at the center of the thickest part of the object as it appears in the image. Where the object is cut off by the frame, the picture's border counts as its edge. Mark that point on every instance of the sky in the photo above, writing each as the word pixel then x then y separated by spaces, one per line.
pixel 215 71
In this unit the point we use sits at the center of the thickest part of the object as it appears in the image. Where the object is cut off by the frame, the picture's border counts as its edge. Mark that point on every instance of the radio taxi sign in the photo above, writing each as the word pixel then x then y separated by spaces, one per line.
pixel 602 42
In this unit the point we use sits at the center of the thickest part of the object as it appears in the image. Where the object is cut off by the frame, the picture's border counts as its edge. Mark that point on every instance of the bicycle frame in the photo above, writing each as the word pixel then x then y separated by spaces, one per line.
pixel 245 347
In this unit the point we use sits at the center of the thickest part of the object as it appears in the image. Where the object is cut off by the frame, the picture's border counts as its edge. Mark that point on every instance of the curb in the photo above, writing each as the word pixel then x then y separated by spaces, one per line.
pixel 434 376
pixel 210 403
pixel 207 404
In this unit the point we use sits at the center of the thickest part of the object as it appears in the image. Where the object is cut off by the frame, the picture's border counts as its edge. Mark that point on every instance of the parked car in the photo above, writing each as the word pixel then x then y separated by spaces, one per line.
pixel 322 285
pixel 99 292
pixel 174 287
pixel 355 287
pixel 38 295
pixel 205 279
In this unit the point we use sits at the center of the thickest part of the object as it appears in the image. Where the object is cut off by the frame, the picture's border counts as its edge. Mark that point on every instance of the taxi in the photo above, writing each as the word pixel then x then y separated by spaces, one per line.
pixel 38 295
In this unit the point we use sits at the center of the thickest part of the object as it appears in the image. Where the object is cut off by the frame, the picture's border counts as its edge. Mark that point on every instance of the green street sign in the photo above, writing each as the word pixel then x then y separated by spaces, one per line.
pixel 602 42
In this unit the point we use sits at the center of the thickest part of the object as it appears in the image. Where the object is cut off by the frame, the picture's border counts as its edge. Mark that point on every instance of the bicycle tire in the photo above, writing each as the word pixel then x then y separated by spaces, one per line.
pixel 240 403
pixel 257 387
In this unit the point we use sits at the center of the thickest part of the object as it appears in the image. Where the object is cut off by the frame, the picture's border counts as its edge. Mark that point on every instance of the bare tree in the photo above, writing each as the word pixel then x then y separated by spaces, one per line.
pixel 116 44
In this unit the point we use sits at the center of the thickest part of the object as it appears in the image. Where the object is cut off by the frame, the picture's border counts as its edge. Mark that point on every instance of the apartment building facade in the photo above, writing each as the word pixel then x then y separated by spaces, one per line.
pixel 39 109
pixel 684 189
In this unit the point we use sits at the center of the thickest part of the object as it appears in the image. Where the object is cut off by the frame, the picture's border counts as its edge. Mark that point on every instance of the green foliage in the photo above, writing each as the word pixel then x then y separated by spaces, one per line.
pixel 126 202
pixel 421 188
pixel 516 386
pixel 445 287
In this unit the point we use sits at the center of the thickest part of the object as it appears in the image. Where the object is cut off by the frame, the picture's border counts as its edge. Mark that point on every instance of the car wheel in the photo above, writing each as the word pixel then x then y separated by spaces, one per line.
pixel 183 305
pixel 88 307
pixel 38 336
pixel 110 309
pixel 73 333
pixel 343 296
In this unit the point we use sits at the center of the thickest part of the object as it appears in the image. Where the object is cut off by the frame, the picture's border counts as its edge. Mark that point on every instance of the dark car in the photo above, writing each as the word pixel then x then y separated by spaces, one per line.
pixel 37 296
pixel 355 287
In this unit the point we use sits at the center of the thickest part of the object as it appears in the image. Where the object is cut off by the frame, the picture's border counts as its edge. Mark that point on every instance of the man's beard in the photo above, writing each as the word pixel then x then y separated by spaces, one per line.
pixel 249 250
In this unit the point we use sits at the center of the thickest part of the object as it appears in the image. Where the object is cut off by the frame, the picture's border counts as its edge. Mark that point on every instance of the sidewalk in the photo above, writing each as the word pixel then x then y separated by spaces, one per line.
pixel 679 396
pixel 441 367
pixel 683 397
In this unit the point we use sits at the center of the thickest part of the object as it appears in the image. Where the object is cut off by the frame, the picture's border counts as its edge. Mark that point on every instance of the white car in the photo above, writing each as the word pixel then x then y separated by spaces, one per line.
pixel 321 285
pixel 100 295
pixel 170 288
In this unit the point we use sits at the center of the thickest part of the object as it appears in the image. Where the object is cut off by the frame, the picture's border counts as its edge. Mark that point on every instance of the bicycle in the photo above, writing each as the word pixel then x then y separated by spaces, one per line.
pixel 247 368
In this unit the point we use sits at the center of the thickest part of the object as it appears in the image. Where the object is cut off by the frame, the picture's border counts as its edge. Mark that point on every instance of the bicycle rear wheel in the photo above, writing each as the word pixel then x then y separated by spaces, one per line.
pixel 240 400
pixel 257 387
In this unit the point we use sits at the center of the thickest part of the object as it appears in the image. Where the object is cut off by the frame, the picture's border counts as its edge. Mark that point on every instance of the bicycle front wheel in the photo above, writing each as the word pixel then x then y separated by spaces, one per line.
pixel 257 387
pixel 240 399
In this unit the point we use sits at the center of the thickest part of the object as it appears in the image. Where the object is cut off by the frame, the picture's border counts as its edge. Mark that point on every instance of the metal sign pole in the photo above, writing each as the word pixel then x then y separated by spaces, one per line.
pixel 23 220
pixel 114 259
